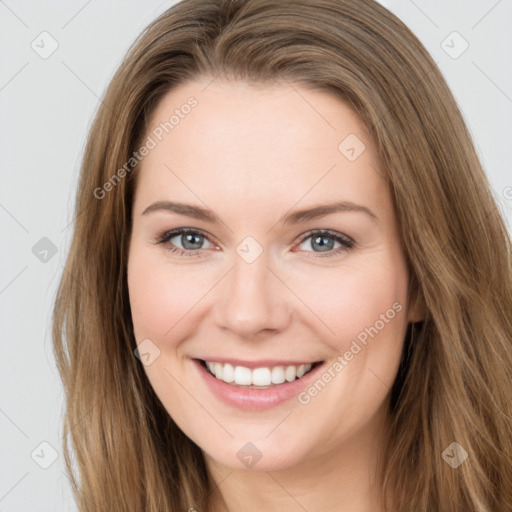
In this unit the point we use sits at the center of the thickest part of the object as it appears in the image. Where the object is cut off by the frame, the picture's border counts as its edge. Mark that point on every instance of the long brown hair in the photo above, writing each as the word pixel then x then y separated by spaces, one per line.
pixel 455 379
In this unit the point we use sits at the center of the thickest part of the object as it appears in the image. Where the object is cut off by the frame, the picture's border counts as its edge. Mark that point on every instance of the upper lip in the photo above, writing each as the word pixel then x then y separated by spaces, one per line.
pixel 262 363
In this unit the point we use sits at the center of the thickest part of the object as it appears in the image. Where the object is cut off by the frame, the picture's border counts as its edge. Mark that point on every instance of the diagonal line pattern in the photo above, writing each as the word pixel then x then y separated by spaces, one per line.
pixel 305 194
pixel 301 300
pixel 14 423
pixel 194 194
pixel 13 13
pixel 217 484
pixel 424 14
pixel 486 14
pixel 291 85
pixel 198 402
pixel 13 279
pixel 211 81
pixel 76 217
pixel 389 387
pixel 77 281
pixel 286 491
pixel 71 428
pixel 492 81
pixel 5 495
pixel 280 423
pixel 14 218
pixel 325 174
pixel 198 301
pixel 76 14
pixel 81 492
pixel 99 99
pixel 14 76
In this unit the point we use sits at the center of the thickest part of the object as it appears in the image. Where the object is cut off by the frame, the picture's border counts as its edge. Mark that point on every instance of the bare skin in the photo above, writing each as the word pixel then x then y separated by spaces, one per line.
pixel 252 155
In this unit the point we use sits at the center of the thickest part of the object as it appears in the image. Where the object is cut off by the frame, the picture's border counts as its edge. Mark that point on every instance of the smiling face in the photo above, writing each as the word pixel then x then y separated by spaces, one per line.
pixel 256 284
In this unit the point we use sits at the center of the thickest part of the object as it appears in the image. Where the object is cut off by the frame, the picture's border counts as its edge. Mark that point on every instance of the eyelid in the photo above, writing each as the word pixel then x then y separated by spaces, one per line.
pixel 346 242
pixel 329 232
pixel 166 235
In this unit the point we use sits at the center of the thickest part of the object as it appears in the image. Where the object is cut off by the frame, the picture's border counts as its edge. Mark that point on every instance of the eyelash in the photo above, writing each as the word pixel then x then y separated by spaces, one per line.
pixel 346 242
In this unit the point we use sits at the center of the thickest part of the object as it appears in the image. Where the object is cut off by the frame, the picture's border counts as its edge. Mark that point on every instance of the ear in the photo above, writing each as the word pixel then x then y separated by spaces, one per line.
pixel 417 308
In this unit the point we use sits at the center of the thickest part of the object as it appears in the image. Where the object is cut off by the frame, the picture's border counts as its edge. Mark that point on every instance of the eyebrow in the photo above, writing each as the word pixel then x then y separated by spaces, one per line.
pixel 296 217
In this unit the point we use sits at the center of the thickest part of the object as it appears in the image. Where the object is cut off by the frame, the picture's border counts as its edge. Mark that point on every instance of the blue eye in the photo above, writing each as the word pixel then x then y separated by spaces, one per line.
pixel 325 240
pixel 191 240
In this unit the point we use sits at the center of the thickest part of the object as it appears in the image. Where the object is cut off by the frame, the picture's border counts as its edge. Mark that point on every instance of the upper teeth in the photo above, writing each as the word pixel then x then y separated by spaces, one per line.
pixel 265 376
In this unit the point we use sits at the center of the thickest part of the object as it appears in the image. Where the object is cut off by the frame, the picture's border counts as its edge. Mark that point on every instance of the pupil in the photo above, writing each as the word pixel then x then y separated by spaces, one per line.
pixel 188 241
pixel 320 242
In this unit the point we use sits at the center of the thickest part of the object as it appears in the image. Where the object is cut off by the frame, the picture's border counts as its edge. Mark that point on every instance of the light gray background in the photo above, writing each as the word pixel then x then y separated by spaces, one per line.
pixel 46 107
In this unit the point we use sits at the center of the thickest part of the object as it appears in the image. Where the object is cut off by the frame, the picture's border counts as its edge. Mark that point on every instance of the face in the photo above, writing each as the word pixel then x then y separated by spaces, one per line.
pixel 290 265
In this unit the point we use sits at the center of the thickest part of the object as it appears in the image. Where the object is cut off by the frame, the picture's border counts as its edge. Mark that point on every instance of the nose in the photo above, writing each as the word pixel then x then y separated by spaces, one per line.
pixel 252 300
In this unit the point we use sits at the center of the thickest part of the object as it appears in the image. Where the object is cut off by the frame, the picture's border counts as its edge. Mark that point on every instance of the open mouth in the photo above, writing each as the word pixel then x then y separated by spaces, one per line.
pixel 257 378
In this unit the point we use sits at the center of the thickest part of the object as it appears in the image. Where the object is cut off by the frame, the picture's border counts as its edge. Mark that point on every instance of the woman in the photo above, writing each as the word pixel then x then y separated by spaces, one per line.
pixel 289 285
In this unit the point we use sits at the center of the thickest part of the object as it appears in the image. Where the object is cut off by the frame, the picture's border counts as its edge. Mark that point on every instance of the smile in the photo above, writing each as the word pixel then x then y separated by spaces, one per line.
pixel 256 385
pixel 257 378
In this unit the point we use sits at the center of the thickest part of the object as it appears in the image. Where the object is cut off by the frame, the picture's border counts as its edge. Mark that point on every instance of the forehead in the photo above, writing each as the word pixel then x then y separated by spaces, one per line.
pixel 258 144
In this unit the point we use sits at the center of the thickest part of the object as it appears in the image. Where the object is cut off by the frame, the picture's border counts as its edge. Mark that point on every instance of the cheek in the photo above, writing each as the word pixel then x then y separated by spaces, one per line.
pixel 361 314
pixel 159 296
pixel 343 301
pixel 354 303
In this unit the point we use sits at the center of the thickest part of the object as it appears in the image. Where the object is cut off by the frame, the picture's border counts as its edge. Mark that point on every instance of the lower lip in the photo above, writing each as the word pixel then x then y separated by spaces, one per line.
pixel 254 399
